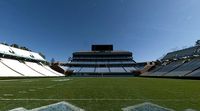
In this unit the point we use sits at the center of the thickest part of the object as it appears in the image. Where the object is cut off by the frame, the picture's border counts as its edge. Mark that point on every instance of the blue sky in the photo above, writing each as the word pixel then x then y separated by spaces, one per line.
pixel 148 28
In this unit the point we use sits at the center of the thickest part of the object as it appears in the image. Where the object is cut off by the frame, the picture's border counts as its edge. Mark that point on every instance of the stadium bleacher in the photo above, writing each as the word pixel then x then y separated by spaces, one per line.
pixel 6 50
pixel 168 68
pixel 185 68
pixel 102 69
pixel 87 70
pixel 181 53
pixel 195 73
pixel 22 53
pixel 75 69
pixel 7 72
pixel 128 69
pixel 15 62
pixel 103 62
pixel 151 72
pixel 181 63
pixel 117 69
pixel 40 68
pixel 37 56
pixel 51 70
pixel 20 67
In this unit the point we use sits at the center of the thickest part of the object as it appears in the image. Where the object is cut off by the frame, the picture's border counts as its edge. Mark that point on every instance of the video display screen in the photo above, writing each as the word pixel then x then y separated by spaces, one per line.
pixel 102 47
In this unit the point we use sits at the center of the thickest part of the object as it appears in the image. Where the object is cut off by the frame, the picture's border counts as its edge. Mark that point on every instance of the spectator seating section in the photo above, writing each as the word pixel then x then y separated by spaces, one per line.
pixel 196 72
pixel 22 53
pixel 117 69
pixel 185 68
pixel 99 69
pixel 38 67
pixel 168 68
pixel 184 62
pixel 102 69
pixel 51 70
pixel 21 68
pixel 182 53
pixel 75 69
pixel 6 50
pixel 153 70
pixel 7 72
pixel 15 68
pixel 128 69
pixel 177 69
pixel 37 56
pixel 87 69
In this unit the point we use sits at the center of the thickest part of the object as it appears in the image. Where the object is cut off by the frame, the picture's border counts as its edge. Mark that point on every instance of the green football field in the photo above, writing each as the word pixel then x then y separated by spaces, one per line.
pixel 100 94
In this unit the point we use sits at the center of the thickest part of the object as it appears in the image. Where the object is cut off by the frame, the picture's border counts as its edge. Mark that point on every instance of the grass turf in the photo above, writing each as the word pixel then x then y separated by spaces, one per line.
pixel 100 94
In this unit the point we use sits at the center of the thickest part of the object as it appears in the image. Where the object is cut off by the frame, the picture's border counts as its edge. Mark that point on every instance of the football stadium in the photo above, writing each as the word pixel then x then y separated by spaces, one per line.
pixel 100 79
pixel 99 55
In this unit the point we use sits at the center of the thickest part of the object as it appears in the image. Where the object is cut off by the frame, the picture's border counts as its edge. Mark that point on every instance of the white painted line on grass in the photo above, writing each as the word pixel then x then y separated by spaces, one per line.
pixel 31 90
pixel 7 94
pixel 28 81
pixel 8 80
pixel 22 92
pixel 61 80
pixel 54 85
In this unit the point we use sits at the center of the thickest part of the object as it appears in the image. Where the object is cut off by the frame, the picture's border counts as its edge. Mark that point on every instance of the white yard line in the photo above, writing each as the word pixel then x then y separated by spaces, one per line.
pixel 22 92
pixel 31 90
pixel 8 80
pixel 61 80
pixel 7 94
pixel 99 99
pixel 54 85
